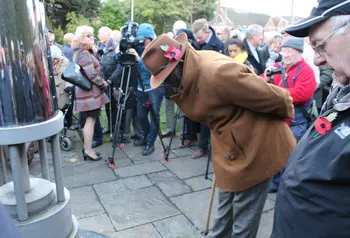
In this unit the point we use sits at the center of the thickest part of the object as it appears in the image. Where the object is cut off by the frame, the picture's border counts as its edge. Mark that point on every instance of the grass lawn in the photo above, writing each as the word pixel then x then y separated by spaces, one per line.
pixel 104 123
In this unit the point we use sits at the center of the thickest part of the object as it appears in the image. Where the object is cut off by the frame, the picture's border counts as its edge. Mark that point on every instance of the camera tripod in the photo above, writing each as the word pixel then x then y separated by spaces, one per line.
pixel 128 61
pixel 173 133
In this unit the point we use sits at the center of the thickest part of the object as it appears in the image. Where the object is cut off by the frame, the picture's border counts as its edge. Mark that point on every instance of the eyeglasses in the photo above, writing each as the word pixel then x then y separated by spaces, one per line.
pixel 89 35
pixel 320 48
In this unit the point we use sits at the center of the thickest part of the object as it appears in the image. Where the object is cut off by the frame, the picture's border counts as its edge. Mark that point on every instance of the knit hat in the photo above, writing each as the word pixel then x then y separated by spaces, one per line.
pixel 146 30
pixel 294 43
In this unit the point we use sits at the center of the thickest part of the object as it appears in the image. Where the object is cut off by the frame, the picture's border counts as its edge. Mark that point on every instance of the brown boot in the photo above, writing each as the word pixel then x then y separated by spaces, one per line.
pixel 188 143
pixel 199 153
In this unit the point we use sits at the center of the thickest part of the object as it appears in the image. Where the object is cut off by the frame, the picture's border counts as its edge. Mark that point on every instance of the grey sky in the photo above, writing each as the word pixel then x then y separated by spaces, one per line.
pixel 302 8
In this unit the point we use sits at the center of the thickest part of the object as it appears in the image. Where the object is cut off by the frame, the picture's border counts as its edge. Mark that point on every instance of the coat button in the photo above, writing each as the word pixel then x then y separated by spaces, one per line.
pixel 197 90
pixel 229 155
pixel 218 132
pixel 210 116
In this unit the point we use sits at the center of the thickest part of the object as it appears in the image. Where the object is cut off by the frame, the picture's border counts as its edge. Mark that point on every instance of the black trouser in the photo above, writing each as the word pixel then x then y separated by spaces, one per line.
pixel 191 133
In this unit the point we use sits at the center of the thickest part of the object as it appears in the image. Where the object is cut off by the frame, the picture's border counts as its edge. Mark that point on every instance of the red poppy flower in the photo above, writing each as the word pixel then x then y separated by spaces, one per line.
pixel 322 125
pixel 173 53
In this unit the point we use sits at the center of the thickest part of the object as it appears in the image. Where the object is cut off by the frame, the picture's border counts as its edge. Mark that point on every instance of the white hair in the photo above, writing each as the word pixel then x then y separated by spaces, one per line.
pixel 81 30
pixel 56 53
pixel 254 30
pixel 339 22
pixel 107 30
pixel 178 25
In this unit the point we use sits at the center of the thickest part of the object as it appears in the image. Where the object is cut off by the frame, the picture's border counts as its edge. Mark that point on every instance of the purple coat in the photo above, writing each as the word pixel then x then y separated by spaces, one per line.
pixel 96 97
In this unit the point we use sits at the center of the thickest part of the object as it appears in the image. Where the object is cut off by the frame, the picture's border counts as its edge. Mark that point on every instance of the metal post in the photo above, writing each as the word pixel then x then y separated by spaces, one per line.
pixel 57 166
pixel 25 167
pixel 132 10
pixel 17 174
pixel 43 159
pixel 3 176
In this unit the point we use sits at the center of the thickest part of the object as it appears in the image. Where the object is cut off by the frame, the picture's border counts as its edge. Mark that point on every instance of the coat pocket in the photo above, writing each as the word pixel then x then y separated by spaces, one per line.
pixel 237 149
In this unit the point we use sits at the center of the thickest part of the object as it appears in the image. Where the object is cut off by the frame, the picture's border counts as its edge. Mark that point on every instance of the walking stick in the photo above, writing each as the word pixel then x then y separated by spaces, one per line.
pixel 210 204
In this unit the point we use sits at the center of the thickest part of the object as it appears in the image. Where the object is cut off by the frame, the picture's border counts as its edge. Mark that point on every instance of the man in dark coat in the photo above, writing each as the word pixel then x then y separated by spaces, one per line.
pixel 206 39
pixel 313 196
pixel 256 56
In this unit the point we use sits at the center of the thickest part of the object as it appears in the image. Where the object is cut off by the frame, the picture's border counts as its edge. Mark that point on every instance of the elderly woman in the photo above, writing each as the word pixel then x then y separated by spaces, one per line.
pixel 89 103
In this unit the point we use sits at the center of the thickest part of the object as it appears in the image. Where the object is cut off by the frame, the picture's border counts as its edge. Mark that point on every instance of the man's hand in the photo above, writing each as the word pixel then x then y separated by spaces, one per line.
pixel 115 93
pixel 290 108
pixel 133 51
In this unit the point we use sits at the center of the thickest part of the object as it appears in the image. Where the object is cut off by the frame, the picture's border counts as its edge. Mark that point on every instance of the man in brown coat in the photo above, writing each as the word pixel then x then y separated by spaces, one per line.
pixel 250 140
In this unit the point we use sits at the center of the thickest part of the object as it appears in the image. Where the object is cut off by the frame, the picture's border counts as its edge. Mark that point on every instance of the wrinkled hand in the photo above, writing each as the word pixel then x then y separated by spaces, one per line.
pixel 290 108
pixel 115 93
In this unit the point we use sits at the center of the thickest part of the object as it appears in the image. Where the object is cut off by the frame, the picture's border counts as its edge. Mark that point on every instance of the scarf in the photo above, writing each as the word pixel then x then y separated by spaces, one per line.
pixel 338 98
pixel 241 57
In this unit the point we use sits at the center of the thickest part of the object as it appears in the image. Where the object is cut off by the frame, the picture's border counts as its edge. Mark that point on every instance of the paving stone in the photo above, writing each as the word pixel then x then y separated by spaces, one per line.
pixel 133 208
pixel 87 175
pixel 145 231
pixel 186 167
pixel 180 152
pixel 135 154
pixel 266 225
pixel 85 203
pixel 100 224
pixel 169 183
pixel 177 227
pixel 269 204
pixel 195 207
pixel 199 183
pixel 106 151
pixel 122 185
pixel 139 169
pixel 272 196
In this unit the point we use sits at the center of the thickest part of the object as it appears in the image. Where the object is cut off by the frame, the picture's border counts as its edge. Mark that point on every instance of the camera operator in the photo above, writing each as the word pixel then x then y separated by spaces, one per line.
pixel 296 76
pixel 149 129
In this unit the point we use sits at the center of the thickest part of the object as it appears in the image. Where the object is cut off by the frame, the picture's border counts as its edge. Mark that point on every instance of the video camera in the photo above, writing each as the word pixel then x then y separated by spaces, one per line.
pixel 129 37
pixel 272 71
pixel 129 40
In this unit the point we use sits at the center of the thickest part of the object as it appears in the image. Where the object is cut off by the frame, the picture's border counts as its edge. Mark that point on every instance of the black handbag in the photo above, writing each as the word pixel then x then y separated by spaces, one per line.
pixel 75 75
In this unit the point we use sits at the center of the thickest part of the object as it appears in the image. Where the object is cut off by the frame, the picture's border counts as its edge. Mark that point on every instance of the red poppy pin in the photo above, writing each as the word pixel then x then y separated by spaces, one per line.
pixel 324 124
pixel 171 52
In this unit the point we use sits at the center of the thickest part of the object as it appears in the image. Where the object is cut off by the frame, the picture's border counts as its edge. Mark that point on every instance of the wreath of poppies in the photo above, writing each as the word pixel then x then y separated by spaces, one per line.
pixel 171 52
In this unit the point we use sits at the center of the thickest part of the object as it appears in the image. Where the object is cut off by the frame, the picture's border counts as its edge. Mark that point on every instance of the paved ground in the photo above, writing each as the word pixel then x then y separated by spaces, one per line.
pixel 143 196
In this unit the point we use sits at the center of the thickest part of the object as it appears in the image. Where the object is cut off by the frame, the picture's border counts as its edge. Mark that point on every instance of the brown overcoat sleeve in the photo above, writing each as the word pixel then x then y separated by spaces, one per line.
pixel 238 85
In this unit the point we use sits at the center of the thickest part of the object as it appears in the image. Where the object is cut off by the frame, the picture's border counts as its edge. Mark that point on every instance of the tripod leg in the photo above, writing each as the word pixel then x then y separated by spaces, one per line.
pixel 208 163
pixel 173 132
pixel 110 113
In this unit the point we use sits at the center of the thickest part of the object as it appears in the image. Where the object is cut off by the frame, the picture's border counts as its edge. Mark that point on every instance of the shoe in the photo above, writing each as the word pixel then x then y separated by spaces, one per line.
pixel 135 137
pixel 198 154
pixel 106 131
pixel 188 143
pixel 167 134
pixel 126 141
pixel 96 144
pixel 88 157
pixel 141 142
pixel 148 150
pixel 273 188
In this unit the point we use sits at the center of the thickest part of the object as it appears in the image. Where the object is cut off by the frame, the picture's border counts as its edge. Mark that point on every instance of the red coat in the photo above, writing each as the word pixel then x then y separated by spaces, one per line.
pixel 304 85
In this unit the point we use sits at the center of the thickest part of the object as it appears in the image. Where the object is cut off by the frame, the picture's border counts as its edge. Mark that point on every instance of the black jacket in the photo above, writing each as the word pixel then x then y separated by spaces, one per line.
pixel 263 55
pixel 214 43
pixel 313 196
